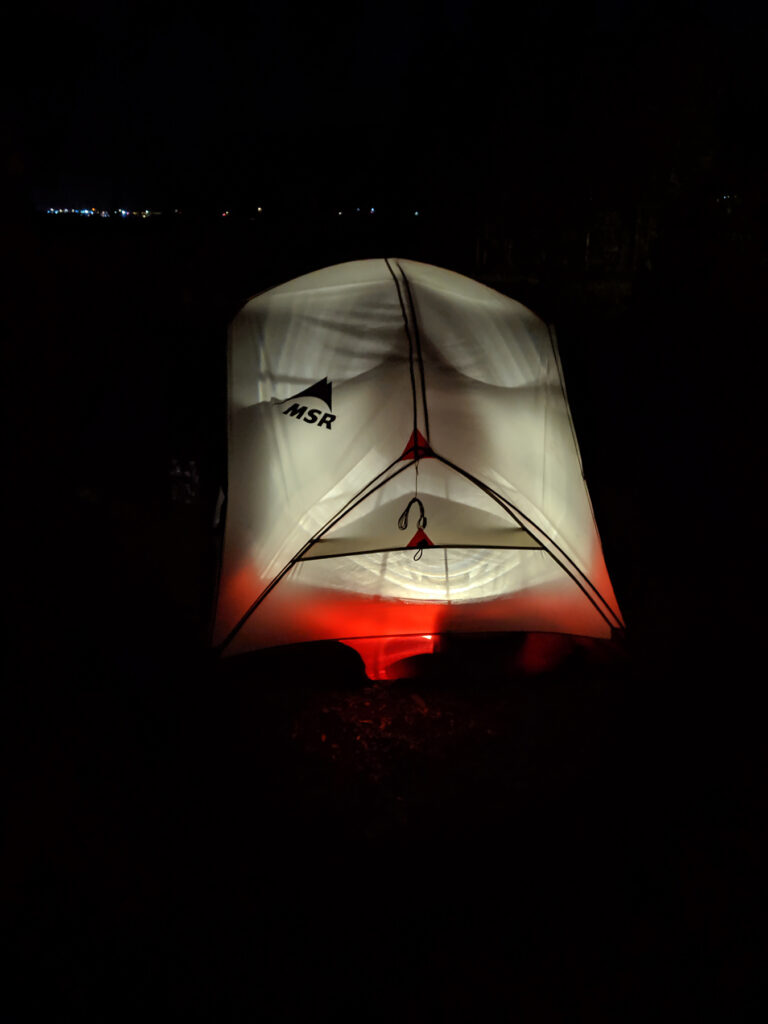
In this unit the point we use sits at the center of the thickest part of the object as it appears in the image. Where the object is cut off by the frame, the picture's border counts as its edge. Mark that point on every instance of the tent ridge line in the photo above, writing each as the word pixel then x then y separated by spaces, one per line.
pixel 506 504
pixel 410 344
pixel 419 356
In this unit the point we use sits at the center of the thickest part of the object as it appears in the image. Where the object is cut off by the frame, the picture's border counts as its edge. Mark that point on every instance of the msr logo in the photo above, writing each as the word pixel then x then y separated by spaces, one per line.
pixel 321 391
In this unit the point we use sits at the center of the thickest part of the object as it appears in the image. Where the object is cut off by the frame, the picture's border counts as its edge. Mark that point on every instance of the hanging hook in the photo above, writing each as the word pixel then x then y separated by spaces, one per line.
pixel 402 522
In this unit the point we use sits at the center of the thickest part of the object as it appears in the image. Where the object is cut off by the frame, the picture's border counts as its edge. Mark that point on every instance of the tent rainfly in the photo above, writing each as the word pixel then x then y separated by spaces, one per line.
pixel 402 464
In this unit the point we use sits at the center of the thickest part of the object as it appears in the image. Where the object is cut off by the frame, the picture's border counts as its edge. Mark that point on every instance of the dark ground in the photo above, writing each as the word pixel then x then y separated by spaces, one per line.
pixel 181 840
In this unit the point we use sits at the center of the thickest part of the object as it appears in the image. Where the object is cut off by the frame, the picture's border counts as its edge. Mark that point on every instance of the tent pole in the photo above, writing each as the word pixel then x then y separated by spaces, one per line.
pixel 353 502
pixel 410 346
pixel 516 512
pixel 418 350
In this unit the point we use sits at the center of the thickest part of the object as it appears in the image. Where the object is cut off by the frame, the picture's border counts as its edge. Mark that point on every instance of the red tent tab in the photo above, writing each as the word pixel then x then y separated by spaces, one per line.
pixel 417 447
pixel 420 540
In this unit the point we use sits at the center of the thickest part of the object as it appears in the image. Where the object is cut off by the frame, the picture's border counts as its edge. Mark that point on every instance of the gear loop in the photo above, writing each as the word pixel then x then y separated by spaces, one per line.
pixel 402 522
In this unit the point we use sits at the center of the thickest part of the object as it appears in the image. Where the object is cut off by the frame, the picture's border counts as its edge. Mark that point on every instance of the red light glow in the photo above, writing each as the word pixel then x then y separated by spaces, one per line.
pixel 381 654
pixel 542 652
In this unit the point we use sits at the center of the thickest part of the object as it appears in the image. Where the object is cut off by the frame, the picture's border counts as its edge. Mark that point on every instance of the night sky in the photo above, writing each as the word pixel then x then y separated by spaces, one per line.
pixel 168 104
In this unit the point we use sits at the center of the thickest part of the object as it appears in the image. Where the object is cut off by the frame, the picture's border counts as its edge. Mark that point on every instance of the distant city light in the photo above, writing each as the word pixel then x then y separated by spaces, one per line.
pixel 94 211
pixel 144 214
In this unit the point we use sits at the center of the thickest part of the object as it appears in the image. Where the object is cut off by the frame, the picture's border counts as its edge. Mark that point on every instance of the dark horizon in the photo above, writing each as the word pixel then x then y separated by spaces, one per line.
pixel 155 108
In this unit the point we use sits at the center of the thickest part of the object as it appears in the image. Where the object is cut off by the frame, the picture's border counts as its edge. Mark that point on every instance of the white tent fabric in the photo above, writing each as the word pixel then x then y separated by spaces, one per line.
pixel 354 390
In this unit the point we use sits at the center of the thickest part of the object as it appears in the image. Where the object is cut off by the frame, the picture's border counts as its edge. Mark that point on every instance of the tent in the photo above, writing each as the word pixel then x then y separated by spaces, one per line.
pixel 402 464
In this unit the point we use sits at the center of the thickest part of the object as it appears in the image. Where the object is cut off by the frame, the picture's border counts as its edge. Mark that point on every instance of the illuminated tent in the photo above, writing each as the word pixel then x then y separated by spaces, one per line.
pixel 402 464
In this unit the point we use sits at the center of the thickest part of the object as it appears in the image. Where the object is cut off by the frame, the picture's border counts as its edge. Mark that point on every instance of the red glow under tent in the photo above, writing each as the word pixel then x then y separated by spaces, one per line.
pixel 401 464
